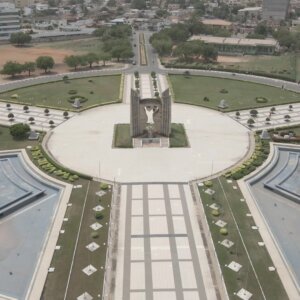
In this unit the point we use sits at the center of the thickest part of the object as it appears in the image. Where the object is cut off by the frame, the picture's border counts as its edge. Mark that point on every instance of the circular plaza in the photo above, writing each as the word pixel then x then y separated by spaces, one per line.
pixel 85 143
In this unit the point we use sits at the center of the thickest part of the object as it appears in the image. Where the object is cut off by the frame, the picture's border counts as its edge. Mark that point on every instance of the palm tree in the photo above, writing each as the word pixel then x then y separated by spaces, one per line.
pixel 46 111
pixel 31 120
pixel 11 117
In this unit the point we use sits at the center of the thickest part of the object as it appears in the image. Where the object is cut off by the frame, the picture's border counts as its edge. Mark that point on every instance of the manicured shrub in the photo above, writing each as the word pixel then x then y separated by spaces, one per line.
pixel 215 212
pixel 104 186
pixel 223 91
pixel 261 100
pixel 81 98
pixel 223 231
pixel 208 183
pixel 98 215
pixel 72 92
pixel 94 235
pixel 19 130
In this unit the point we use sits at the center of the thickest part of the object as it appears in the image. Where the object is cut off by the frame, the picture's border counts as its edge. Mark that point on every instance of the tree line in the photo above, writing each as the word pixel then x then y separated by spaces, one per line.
pixel 13 68
pixel 174 40
pixel 116 41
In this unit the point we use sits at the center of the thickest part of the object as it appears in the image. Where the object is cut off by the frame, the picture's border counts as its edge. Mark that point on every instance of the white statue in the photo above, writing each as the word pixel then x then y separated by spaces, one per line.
pixel 150 113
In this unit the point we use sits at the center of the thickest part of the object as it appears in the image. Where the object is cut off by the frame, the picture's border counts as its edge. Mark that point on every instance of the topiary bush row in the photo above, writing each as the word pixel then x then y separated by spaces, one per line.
pixel 262 150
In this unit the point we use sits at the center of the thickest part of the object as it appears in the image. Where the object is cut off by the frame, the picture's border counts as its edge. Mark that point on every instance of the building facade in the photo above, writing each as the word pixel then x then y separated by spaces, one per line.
pixel 275 10
pixel 9 20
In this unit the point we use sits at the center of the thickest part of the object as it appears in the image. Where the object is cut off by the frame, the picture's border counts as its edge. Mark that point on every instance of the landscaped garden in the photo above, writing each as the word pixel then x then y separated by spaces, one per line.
pixel 91 91
pixel 224 202
pixel 209 91
pixel 67 274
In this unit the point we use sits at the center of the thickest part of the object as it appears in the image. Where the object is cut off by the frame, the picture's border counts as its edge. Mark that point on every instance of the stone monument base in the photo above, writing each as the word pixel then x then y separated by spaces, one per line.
pixel 156 142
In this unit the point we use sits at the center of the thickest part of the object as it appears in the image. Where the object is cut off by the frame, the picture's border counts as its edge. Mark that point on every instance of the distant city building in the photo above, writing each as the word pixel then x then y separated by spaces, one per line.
pixel 275 10
pixel 9 19
pixel 240 45
pixel 217 23
pixel 23 3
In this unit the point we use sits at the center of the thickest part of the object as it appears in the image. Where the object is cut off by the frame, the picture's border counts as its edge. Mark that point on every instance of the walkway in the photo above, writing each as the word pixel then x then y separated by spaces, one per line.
pixel 161 253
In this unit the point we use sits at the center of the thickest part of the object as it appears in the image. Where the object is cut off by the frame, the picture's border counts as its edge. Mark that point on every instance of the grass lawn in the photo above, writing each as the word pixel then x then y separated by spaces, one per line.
pixel 79 282
pixel 97 90
pixel 231 209
pixel 240 94
pixel 178 137
pixel 122 137
pixel 283 65
pixel 80 45
pixel 7 142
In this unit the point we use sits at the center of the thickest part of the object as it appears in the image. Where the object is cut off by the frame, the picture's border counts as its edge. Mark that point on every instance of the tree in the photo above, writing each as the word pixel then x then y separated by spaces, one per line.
pixel 45 63
pixel 65 114
pixel 104 56
pixel 138 4
pixel 8 106
pixel 11 116
pixel 290 107
pixel 19 130
pixel 29 67
pixel 31 120
pixel 46 111
pixel 91 58
pixel 162 46
pixel 250 122
pixel 26 108
pixel 237 114
pixel 253 113
pixel 51 123
pixel 209 53
pixel 72 61
pixel 12 68
pixel 20 38
pixel 268 120
pixel 272 110
pixel 287 118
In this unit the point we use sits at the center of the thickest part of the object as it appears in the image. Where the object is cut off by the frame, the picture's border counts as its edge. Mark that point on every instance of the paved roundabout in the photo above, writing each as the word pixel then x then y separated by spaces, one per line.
pixel 84 144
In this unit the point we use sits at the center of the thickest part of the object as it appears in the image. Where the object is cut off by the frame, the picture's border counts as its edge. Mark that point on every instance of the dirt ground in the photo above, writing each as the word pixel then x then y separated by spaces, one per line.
pixel 24 54
pixel 232 59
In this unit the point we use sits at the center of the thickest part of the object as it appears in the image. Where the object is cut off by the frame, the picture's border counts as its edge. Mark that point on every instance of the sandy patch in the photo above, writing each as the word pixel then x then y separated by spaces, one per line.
pixel 232 59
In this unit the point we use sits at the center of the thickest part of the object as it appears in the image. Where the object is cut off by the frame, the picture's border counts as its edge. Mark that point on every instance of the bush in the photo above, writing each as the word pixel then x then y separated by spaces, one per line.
pixel 208 183
pixel 81 98
pixel 91 92
pixel 223 91
pixel 98 215
pixel 156 94
pixel 94 235
pixel 72 92
pixel 223 231
pixel 103 186
pixel 261 100
pixel 153 74
pixel 136 74
pixel 215 212
pixel 19 130
pixel 206 99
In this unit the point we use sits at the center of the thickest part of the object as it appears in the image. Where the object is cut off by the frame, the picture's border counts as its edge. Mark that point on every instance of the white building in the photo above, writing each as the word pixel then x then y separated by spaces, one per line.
pixel 9 19
pixel 275 10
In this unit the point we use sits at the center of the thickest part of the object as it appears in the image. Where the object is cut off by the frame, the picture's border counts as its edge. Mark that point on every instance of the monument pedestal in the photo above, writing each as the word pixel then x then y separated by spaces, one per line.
pixel 156 142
